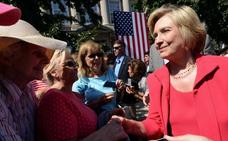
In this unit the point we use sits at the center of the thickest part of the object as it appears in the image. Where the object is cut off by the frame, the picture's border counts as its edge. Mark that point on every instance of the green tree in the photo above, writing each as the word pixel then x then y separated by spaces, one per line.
pixel 38 13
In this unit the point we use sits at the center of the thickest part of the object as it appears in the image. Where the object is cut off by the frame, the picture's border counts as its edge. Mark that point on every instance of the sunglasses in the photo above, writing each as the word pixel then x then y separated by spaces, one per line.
pixel 99 54
pixel 72 64
pixel 115 48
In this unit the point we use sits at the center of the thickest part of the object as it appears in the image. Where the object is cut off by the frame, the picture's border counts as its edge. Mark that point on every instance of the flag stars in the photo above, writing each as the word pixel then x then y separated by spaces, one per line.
pixel 123 23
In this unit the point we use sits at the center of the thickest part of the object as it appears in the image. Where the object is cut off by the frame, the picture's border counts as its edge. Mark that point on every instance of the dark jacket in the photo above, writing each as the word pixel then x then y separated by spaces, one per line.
pixel 123 73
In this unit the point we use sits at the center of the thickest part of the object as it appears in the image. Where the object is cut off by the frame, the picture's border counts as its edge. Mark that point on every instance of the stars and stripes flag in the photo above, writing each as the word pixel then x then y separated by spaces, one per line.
pixel 131 28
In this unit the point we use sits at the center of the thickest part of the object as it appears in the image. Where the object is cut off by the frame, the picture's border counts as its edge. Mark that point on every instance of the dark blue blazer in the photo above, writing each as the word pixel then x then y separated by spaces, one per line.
pixel 123 73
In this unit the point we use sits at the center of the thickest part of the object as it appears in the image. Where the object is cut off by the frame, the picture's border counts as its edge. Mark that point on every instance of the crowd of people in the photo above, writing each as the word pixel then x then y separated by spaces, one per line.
pixel 47 95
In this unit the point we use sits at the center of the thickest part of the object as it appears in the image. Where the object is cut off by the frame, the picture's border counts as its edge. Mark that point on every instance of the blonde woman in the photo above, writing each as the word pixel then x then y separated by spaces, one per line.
pixel 62 116
pixel 188 95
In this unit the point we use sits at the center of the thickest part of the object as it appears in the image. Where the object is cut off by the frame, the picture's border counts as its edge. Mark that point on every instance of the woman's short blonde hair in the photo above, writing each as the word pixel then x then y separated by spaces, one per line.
pixel 85 48
pixel 191 29
pixel 57 59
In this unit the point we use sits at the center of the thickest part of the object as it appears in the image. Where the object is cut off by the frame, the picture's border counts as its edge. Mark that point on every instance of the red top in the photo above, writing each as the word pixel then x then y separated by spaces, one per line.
pixel 210 99
pixel 63 116
pixel 182 106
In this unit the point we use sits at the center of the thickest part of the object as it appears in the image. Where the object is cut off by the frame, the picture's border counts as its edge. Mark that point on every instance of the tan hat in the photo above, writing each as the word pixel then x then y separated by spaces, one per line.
pixel 26 32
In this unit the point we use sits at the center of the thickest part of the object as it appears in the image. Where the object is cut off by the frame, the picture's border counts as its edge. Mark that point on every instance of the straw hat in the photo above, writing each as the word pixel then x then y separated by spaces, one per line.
pixel 8 14
pixel 24 31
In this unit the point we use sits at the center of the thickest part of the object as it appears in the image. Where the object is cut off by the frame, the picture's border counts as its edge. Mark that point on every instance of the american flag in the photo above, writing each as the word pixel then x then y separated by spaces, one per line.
pixel 131 28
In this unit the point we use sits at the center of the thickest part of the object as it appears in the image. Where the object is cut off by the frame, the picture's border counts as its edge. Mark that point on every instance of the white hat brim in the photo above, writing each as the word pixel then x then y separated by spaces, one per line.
pixel 26 32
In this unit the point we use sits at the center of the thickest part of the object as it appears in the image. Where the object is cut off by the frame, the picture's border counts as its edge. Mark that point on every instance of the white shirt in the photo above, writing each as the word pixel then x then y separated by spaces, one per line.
pixel 119 61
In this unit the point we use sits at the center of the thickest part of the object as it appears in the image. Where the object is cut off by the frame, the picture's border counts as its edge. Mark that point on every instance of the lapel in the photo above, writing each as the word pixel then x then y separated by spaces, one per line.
pixel 204 101
pixel 124 64
pixel 163 76
pixel 204 69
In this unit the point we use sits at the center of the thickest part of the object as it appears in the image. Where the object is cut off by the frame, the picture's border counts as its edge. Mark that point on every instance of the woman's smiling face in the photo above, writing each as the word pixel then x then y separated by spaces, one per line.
pixel 168 39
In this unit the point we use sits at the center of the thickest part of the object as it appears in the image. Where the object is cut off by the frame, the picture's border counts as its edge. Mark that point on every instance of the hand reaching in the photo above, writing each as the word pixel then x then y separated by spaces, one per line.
pixel 146 98
pixel 113 131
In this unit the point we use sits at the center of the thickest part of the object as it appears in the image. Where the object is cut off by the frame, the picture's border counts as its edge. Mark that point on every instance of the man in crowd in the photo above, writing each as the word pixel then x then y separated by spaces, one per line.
pixel 121 62
pixel 147 61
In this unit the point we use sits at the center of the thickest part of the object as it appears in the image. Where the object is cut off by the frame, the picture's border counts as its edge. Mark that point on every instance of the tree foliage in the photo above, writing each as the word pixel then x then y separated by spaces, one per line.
pixel 38 13
pixel 213 12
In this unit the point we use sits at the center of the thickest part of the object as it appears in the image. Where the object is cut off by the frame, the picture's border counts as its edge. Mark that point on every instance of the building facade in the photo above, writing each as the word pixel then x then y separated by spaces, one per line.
pixel 105 8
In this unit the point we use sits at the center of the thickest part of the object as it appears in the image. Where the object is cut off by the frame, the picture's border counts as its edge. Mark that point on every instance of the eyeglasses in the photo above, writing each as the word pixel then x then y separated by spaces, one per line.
pixel 117 47
pixel 99 54
pixel 70 63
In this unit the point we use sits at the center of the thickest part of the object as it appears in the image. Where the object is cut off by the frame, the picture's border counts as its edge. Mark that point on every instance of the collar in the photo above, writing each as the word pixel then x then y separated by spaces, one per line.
pixel 119 59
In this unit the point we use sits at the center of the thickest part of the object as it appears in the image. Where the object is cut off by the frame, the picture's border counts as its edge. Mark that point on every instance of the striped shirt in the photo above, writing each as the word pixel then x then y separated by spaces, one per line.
pixel 17 109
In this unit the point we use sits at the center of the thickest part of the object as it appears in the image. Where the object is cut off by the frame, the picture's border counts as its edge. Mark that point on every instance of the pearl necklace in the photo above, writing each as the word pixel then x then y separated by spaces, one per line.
pixel 185 73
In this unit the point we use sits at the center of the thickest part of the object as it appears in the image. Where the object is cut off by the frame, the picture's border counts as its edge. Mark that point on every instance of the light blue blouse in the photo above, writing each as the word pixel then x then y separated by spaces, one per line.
pixel 93 88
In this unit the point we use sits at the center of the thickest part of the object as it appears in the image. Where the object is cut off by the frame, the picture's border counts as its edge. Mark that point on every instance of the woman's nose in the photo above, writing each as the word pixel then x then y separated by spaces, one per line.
pixel 158 41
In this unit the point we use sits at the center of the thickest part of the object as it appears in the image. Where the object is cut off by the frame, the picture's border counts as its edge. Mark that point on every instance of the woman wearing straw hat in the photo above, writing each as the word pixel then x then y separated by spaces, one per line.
pixel 23 54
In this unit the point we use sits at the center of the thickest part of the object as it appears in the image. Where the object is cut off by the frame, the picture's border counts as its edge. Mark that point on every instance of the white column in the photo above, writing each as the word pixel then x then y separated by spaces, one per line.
pixel 104 12
pixel 73 14
pixel 126 5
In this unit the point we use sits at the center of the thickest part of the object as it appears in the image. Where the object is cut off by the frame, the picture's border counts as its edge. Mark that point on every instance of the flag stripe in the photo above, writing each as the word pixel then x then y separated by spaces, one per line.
pixel 136 35
pixel 143 36
pixel 140 36
pixel 131 28
pixel 145 31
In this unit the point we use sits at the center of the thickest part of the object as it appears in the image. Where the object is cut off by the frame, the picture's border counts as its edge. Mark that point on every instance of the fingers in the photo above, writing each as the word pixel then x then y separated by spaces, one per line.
pixel 107 98
pixel 146 100
pixel 130 89
pixel 119 84
pixel 117 119
pixel 118 131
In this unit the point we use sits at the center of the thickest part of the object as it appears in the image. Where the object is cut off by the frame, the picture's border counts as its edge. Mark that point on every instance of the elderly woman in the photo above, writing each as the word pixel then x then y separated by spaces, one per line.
pixel 62 115
pixel 94 73
pixel 23 54
pixel 189 94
